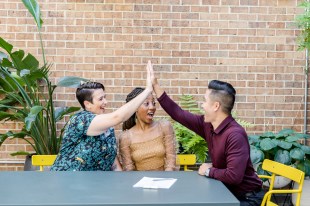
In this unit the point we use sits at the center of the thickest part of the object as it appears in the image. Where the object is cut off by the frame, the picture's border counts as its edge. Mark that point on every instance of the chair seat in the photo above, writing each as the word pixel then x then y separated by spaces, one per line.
pixel 185 160
pixel 278 169
pixel 43 160
pixel 269 203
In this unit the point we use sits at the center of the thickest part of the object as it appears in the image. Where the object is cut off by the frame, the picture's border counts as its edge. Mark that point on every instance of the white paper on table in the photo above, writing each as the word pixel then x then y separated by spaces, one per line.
pixel 155 183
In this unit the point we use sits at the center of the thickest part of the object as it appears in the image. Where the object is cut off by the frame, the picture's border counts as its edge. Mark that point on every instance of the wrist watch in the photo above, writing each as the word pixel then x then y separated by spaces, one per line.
pixel 207 172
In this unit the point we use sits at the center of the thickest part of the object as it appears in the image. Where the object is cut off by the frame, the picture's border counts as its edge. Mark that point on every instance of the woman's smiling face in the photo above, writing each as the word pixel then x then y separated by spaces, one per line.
pixel 99 102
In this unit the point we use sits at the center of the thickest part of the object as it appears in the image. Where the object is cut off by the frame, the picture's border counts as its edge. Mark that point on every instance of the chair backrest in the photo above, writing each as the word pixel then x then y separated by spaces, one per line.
pixel 185 160
pixel 43 160
pixel 289 172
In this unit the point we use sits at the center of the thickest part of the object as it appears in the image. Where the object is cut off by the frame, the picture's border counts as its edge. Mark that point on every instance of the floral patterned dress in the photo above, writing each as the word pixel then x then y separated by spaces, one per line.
pixel 80 152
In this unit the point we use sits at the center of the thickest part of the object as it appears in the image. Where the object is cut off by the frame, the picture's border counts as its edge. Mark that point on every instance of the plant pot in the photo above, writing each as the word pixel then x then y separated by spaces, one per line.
pixel 305 199
pixel 279 182
pixel 28 164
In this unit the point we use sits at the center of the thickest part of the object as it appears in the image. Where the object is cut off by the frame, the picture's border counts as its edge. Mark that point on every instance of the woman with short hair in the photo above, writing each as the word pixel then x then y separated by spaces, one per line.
pixel 89 141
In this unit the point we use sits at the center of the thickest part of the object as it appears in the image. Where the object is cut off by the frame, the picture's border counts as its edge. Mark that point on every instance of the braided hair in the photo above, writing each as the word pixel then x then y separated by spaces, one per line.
pixel 132 120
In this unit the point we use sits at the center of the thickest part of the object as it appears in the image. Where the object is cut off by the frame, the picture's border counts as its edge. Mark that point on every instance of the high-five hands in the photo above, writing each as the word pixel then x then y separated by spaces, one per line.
pixel 149 69
pixel 157 89
pixel 153 79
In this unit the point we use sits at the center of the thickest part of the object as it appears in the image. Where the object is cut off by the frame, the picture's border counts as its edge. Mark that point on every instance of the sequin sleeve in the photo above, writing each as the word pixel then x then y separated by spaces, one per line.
pixel 125 153
pixel 170 146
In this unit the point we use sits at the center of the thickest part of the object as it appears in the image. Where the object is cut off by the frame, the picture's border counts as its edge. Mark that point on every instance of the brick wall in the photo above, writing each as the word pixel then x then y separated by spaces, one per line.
pixel 249 43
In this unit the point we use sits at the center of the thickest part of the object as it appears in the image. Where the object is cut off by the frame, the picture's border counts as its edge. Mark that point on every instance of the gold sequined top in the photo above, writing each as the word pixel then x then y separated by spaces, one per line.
pixel 157 151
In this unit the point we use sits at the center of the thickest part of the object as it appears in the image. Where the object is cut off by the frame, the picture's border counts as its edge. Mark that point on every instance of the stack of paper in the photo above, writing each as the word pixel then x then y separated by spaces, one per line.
pixel 155 183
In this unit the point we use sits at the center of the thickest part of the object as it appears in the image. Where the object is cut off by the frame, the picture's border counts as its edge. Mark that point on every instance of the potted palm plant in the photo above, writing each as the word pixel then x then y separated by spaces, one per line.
pixel 26 95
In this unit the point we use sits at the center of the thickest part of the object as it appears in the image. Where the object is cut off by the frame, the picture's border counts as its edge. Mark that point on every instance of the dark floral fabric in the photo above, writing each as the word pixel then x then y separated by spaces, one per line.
pixel 80 152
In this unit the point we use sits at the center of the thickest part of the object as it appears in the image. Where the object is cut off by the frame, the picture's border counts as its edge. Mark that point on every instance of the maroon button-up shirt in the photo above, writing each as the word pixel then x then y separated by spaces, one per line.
pixel 228 145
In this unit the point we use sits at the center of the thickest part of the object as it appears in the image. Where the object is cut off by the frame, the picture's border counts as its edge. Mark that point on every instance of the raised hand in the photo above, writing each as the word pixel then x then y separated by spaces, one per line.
pixel 153 78
pixel 157 89
pixel 149 69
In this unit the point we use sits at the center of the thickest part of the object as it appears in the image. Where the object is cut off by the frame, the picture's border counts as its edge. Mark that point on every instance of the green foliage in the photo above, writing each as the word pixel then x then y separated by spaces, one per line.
pixel 243 123
pixel 190 104
pixel 27 95
pixel 189 141
pixel 303 23
pixel 283 147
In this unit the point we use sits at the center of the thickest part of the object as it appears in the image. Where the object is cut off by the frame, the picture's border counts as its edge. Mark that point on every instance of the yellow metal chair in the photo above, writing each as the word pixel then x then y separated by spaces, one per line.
pixel 185 160
pixel 43 160
pixel 276 168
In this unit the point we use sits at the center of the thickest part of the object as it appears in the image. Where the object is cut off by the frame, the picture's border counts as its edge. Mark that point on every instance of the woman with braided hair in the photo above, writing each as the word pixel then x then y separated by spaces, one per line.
pixel 146 144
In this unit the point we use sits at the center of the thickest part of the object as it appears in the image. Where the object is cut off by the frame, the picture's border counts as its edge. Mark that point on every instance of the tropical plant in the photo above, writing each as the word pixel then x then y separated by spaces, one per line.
pixel 283 147
pixel 190 142
pixel 26 95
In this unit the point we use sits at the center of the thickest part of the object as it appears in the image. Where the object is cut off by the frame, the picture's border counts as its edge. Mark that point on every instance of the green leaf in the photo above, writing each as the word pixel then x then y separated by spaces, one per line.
pixel 20 153
pixel 244 123
pixel 284 144
pixel 297 144
pixel 256 155
pixel 17 58
pixel 5 45
pixel 268 134
pixel 60 112
pixel 294 137
pixel 34 9
pixel 267 144
pixel 297 154
pixel 300 165
pixel 38 74
pixel 72 82
pixel 283 157
pixel 7 101
pixel 34 111
pixel 3 137
pixel 286 132
pixel 6 63
pixel 302 135
pixel 18 79
pixel 6 84
pixel 260 171
pixel 306 149
pixel 31 62
pixel 253 139
pixel 307 167
pixel 7 116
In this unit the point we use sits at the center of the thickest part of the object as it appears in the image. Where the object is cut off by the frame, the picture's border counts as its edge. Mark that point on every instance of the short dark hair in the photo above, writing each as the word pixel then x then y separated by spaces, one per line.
pixel 132 120
pixel 85 92
pixel 224 93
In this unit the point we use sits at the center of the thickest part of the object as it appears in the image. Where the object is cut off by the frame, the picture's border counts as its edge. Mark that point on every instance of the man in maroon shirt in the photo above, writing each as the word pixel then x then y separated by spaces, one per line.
pixel 227 141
